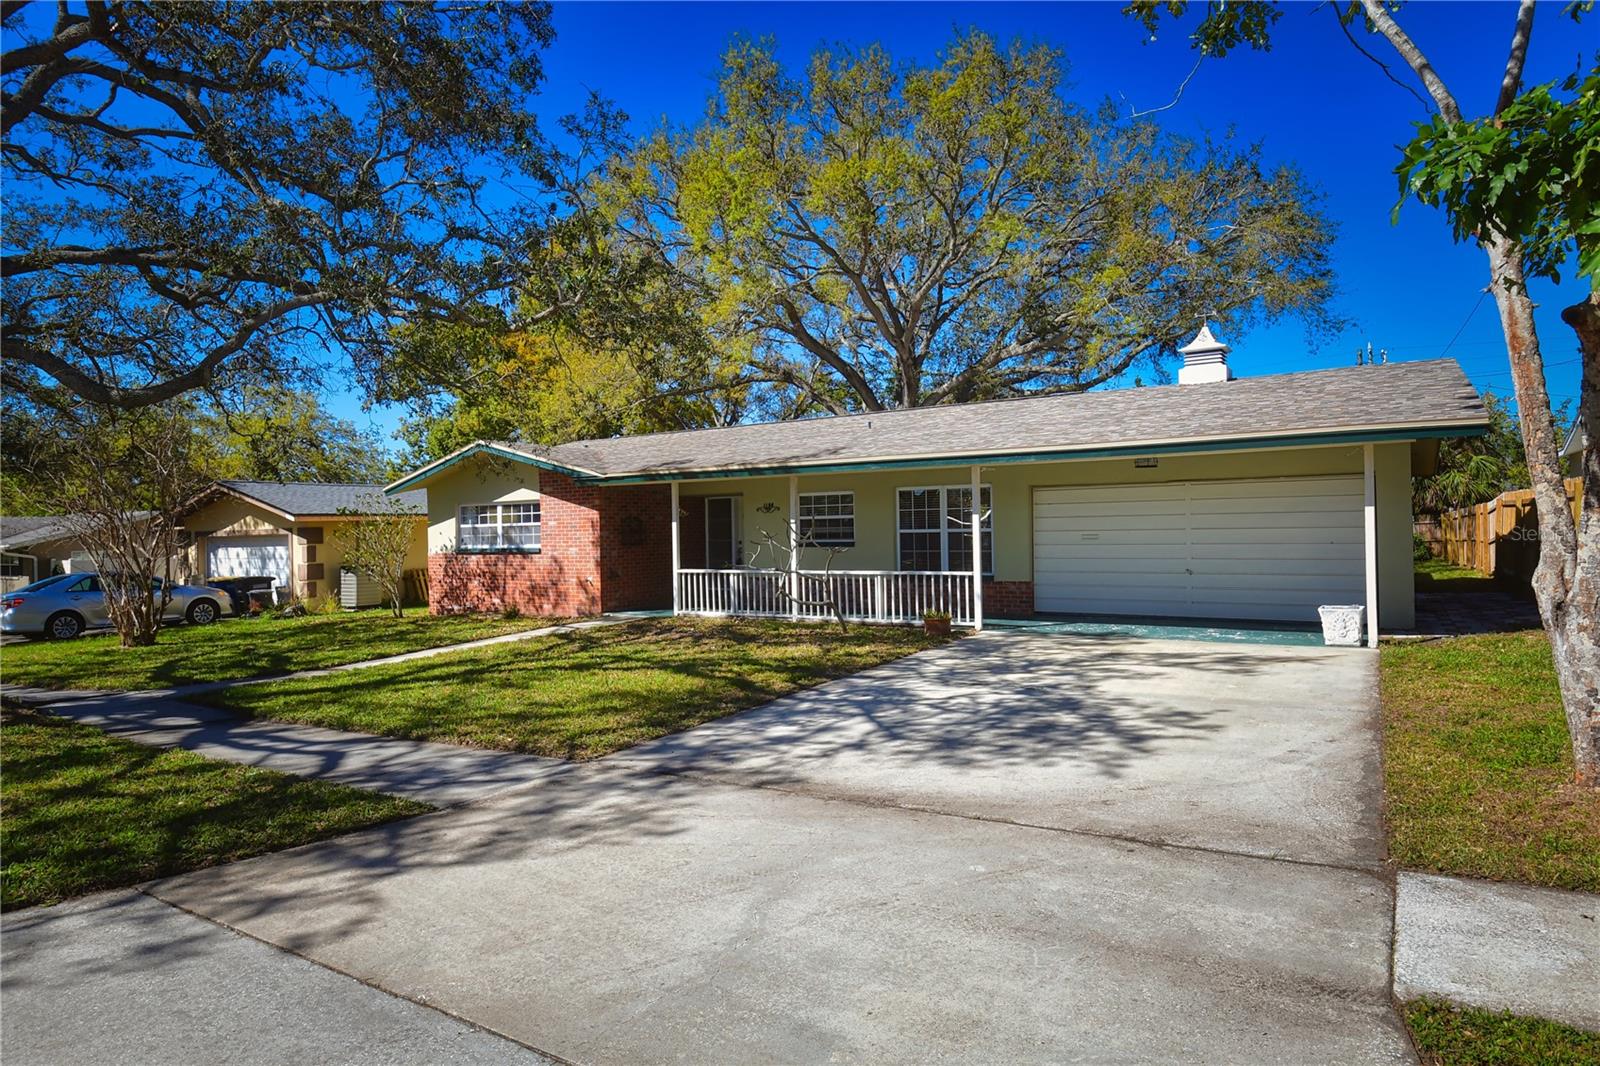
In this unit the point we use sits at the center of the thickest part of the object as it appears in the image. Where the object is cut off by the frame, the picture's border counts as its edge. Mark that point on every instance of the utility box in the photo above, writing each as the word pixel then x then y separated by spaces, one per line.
pixel 358 590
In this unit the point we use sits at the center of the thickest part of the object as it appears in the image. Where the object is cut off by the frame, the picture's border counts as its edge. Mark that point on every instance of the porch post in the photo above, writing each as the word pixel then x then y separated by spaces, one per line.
pixel 677 550
pixel 1369 485
pixel 794 547
pixel 977 547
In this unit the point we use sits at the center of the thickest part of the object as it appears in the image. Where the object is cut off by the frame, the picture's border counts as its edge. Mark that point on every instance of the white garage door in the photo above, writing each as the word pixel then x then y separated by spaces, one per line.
pixel 248 557
pixel 1265 548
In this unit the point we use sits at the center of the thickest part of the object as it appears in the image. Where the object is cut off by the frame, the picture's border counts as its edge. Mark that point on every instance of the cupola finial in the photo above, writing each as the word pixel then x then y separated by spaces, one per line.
pixel 1205 359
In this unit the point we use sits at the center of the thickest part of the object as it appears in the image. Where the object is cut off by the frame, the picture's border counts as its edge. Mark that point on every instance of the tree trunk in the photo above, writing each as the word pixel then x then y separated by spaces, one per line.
pixel 1580 688
pixel 1566 583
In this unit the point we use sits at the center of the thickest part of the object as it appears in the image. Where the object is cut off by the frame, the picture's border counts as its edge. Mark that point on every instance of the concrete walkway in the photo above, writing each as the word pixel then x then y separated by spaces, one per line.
pixel 441 774
pixel 1504 947
pixel 40 697
pixel 405 657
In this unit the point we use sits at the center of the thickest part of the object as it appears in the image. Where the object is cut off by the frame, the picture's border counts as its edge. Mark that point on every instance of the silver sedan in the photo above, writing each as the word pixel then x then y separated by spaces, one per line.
pixel 65 606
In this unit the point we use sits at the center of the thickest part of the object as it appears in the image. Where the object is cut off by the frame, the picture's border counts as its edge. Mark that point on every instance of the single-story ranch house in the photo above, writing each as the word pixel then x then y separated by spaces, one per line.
pixel 36 546
pixel 281 530
pixel 1256 498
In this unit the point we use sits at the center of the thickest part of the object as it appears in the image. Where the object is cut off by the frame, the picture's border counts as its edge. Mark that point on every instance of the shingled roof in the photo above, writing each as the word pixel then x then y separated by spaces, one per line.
pixel 18 531
pixel 1396 398
pixel 300 499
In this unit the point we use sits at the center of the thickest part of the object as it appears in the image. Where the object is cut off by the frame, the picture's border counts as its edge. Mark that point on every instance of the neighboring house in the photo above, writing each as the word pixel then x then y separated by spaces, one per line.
pixel 284 530
pixel 1577 440
pixel 1217 497
pixel 36 546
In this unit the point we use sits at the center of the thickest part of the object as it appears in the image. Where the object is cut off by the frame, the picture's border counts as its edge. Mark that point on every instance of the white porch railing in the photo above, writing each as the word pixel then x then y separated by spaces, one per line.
pixel 862 595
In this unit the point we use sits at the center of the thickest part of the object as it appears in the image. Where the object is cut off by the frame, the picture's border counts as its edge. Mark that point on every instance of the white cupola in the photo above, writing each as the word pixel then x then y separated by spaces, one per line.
pixel 1204 359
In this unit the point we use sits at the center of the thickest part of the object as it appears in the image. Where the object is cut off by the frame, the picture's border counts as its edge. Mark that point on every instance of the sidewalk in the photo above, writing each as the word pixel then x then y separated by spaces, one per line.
pixel 120 977
pixel 1504 947
pixel 440 774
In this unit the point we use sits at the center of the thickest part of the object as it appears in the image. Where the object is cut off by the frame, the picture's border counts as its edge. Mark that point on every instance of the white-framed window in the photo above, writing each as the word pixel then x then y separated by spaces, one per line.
pixel 828 519
pixel 498 526
pixel 934 528
pixel 12 566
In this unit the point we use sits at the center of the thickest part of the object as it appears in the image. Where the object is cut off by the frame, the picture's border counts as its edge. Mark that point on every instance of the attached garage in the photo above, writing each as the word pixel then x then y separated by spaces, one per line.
pixel 254 556
pixel 1269 548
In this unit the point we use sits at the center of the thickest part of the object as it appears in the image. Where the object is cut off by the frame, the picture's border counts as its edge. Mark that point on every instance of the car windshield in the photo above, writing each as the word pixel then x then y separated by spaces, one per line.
pixel 44 583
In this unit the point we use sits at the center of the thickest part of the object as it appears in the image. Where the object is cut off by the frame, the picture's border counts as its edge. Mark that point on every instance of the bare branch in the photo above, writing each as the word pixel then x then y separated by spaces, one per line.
pixel 1511 81
pixel 1379 16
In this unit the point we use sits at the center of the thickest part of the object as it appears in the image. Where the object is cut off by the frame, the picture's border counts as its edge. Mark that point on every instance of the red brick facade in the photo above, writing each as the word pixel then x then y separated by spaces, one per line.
pixel 1008 599
pixel 600 549
pixel 692 531
pixel 607 549
pixel 636 548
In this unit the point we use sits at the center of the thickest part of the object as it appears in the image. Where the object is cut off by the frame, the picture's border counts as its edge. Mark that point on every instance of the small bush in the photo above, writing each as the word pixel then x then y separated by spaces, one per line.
pixel 1421 551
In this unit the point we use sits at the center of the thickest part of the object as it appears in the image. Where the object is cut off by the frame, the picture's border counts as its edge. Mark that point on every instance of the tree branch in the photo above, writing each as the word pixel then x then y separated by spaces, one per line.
pixel 1511 81
pixel 1403 44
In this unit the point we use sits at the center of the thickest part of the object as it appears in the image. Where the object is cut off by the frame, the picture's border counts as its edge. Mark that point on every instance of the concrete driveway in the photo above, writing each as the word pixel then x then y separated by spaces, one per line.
pixel 1020 848
pixel 1254 749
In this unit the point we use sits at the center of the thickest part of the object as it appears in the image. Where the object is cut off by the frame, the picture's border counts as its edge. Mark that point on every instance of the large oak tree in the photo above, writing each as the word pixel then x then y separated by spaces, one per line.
pixel 881 234
pixel 201 193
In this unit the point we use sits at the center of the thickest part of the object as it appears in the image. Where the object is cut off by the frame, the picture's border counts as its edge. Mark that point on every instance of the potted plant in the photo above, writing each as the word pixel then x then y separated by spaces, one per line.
pixel 936 623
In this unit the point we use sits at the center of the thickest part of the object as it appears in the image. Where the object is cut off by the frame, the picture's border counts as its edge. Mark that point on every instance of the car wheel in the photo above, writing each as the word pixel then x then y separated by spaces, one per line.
pixel 203 612
pixel 63 625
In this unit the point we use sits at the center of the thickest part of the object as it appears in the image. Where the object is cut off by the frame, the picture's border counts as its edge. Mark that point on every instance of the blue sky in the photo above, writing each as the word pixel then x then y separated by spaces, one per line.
pixel 1313 100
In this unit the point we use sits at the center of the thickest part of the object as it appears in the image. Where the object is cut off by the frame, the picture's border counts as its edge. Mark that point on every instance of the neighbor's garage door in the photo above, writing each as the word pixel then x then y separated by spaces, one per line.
pixel 248 557
pixel 1268 548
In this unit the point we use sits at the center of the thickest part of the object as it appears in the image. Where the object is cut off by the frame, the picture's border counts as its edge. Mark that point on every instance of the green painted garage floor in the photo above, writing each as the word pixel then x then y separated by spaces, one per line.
pixel 1209 629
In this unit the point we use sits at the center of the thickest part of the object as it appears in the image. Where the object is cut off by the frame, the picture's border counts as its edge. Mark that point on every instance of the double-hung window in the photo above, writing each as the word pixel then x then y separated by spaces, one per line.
pixel 828 519
pixel 935 528
pixel 498 527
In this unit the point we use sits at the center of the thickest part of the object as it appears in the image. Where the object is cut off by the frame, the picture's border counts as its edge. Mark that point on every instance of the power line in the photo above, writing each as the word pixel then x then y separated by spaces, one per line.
pixel 1464 322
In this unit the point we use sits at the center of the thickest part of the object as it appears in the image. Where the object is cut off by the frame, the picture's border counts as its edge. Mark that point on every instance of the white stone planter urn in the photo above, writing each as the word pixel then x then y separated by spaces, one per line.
pixel 1344 625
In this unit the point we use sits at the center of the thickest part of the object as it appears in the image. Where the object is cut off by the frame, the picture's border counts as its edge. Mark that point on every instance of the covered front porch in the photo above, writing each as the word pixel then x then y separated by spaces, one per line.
pixel 792 563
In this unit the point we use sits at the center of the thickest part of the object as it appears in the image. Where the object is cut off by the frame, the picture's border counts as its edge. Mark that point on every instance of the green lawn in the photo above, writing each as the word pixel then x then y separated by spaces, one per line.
pixel 1462 1036
pixel 1438 575
pixel 242 647
pixel 82 811
pixel 1478 766
pixel 584 694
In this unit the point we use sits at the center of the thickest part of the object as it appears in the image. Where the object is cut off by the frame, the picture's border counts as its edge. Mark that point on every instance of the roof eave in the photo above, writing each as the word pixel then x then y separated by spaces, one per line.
pixel 258 501
pixel 483 447
pixel 1363 435
pixel 1574 442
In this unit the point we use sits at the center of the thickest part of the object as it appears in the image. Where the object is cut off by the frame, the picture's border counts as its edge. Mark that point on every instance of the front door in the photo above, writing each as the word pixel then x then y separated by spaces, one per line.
pixel 722 532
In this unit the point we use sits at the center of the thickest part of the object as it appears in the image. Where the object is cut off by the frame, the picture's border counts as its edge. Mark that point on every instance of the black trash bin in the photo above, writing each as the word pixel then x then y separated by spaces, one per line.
pixel 239 590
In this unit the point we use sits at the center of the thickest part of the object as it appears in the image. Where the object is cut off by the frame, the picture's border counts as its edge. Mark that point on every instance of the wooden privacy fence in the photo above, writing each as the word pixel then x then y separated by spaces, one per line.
pixel 1500 537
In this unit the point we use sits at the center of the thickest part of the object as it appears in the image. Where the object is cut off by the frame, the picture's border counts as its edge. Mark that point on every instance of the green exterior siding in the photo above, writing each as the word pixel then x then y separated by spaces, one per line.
pixel 765 504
